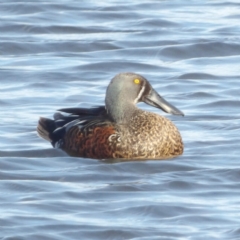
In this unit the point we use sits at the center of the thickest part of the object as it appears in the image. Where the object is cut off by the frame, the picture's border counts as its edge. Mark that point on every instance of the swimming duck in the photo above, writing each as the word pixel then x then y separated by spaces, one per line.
pixel 119 129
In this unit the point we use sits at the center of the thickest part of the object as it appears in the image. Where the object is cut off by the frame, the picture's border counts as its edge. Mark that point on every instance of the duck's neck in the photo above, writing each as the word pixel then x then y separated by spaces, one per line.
pixel 120 111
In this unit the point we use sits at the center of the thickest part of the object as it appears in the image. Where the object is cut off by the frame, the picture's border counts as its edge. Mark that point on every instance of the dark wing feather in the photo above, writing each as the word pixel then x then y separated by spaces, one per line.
pixel 54 130
pixel 95 111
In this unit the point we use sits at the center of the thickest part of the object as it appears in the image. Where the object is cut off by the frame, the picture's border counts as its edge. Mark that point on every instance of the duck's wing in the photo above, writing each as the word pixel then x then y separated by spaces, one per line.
pixel 83 118
pixel 95 111
pixel 80 114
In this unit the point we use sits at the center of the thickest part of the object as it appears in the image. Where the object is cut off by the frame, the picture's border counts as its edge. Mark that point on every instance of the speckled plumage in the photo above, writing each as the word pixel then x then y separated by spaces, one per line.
pixel 130 134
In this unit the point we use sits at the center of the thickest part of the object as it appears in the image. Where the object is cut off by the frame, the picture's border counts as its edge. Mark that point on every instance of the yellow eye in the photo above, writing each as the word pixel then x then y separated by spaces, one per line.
pixel 137 81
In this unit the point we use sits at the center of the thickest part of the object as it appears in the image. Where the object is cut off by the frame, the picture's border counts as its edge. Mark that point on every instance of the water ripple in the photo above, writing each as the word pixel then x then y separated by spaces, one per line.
pixel 63 54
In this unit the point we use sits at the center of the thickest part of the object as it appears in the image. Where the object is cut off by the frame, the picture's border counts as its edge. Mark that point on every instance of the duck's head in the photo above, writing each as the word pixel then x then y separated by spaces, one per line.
pixel 126 90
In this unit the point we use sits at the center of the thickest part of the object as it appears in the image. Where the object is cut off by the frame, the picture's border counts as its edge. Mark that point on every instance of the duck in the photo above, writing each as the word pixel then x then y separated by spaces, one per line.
pixel 118 130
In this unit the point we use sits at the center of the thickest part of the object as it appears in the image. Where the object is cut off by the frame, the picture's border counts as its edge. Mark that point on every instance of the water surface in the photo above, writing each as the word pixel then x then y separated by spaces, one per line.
pixel 59 54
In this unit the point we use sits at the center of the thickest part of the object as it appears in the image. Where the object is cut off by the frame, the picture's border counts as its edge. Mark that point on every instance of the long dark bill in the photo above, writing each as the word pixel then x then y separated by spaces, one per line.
pixel 155 100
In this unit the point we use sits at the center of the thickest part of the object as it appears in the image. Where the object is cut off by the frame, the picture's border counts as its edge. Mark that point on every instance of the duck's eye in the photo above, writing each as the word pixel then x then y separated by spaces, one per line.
pixel 136 81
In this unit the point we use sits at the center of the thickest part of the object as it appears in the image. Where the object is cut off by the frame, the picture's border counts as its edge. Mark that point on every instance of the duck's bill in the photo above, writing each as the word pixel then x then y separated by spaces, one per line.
pixel 155 100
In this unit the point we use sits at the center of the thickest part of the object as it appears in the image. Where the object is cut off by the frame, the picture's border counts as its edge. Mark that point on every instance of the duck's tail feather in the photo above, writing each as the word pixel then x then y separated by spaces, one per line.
pixel 46 128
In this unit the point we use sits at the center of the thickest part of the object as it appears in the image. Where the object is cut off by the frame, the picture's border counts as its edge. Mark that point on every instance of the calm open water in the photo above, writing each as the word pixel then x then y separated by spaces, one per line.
pixel 56 54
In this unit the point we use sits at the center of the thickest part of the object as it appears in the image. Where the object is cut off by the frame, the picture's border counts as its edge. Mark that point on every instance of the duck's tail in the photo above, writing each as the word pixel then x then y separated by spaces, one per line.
pixel 46 128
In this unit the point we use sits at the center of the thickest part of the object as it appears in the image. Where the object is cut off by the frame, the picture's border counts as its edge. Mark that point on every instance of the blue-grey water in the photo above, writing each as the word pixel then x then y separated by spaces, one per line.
pixel 56 54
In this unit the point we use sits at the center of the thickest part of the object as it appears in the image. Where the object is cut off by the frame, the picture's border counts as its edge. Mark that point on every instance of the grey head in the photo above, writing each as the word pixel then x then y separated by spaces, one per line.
pixel 126 90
